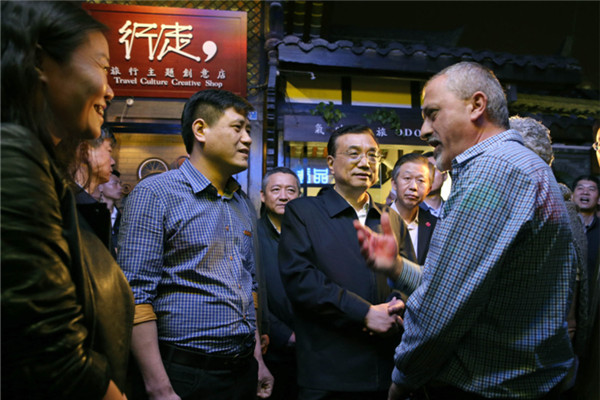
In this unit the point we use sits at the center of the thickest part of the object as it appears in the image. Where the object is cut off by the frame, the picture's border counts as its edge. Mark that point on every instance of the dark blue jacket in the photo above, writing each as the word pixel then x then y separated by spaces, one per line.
pixel 331 289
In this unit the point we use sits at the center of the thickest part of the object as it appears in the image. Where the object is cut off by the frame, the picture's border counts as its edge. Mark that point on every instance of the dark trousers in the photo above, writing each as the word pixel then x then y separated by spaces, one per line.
pixel 284 371
pixel 315 394
pixel 237 383
pixel 198 384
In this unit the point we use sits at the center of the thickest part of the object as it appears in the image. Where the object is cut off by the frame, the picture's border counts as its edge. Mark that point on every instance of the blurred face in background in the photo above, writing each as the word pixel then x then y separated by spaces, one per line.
pixel 597 143
pixel 113 189
pixel 438 178
pixel 585 195
pixel 280 189
pixel 101 161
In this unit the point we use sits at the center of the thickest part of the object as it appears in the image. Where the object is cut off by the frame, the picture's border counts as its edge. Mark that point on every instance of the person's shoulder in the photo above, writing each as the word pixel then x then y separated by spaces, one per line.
pixel 20 139
pixel 159 182
pixel 24 155
pixel 300 201
pixel 305 204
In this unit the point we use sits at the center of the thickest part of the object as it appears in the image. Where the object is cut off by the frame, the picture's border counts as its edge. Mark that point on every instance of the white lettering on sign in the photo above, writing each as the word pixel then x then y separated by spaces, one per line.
pixel 210 83
pixel 319 129
pixel 121 81
pixel 131 31
pixel 153 82
pixel 408 132
pixel 175 82
pixel 149 80
pixel 381 132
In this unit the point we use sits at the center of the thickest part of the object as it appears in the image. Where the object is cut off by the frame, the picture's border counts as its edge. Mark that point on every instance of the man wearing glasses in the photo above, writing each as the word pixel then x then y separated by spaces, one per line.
pixel 345 315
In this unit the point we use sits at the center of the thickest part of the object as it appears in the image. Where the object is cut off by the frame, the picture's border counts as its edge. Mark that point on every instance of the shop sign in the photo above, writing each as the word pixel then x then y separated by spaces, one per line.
pixel 173 52
pixel 305 128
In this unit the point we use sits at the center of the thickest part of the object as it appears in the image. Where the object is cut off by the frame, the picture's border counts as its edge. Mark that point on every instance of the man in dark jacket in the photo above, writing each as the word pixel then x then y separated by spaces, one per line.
pixel 345 315
pixel 279 186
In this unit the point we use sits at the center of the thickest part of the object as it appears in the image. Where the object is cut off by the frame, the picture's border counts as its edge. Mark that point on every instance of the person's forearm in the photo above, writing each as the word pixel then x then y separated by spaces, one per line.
pixel 258 348
pixel 407 275
pixel 144 346
pixel 264 385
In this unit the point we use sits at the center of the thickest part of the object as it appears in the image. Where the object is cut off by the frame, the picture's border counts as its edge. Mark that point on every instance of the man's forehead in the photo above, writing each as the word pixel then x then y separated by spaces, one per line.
pixel 233 114
pixel 413 165
pixel 584 183
pixel 358 140
pixel 281 176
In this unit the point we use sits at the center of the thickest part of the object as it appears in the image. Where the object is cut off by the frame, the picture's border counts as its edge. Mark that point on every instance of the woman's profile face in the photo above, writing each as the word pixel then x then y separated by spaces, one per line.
pixel 77 90
pixel 101 161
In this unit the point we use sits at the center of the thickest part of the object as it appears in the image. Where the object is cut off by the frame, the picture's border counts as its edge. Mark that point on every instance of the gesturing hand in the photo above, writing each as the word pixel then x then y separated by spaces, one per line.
pixel 379 249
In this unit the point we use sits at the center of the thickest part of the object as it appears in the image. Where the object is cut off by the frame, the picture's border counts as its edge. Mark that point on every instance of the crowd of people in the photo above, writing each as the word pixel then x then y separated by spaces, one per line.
pixel 187 293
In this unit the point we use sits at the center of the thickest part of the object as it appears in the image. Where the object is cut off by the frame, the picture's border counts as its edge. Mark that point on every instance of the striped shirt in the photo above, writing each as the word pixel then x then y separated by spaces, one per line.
pixel 488 312
pixel 188 252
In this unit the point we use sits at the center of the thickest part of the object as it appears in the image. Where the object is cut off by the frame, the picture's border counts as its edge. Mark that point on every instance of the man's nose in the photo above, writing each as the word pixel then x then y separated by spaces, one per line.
pixel 426 130
pixel 246 139
pixel 364 161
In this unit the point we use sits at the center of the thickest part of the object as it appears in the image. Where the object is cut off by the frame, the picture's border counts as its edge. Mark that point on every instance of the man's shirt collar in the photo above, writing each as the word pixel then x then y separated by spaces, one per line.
pixel 199 182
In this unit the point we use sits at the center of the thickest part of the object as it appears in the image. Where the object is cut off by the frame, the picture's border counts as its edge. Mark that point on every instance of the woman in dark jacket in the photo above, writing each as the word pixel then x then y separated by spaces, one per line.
pixel 66 307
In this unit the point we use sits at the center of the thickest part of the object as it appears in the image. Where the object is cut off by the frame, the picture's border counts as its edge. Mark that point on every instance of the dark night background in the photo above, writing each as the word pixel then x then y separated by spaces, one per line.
pixel 564 28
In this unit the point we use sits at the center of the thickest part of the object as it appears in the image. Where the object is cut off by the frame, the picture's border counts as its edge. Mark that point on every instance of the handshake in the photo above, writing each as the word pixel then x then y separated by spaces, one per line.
pixel 385 318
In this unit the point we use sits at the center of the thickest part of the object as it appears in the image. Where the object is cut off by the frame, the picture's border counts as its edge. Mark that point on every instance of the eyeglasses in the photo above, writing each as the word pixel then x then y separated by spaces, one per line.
pixel 355 156
pixel 596 146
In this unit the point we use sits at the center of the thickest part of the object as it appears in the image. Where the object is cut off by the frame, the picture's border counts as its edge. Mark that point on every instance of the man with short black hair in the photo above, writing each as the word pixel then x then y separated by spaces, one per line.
pixel 345 315
pixel 280 185
pixel 586 195
pixel 110 193
pixel 186 247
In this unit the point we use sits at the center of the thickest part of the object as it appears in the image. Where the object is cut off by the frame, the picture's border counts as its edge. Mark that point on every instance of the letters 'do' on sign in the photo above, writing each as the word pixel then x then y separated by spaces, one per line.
pixel 173 52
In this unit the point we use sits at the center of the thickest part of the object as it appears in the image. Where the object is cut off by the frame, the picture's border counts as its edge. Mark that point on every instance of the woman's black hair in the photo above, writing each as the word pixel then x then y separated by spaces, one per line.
pixel 28 30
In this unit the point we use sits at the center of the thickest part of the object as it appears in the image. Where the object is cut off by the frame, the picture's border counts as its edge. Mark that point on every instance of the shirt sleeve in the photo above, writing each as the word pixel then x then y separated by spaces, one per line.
pixel 456 286
pixel 410 277
pixel 141 246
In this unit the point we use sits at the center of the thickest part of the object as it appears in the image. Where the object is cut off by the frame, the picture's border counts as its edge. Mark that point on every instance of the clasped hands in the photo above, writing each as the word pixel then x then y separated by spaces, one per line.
pixel 384 318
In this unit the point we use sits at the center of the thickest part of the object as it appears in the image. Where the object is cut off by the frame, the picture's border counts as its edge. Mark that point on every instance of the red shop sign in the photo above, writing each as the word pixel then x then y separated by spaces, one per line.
pixel 173 52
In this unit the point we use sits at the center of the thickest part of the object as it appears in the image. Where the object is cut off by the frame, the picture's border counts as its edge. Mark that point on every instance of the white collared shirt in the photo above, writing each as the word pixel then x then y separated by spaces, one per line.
pixel 362 213
pixel 413 228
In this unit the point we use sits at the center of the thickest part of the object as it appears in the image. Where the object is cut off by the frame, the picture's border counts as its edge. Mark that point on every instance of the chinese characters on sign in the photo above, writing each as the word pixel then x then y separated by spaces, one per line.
pixel 172 52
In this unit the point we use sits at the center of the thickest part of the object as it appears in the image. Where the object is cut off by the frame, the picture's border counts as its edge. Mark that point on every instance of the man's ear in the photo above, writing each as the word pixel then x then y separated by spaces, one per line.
pixel 478 103
pixel 262 196
pixel 330 160
pixel 199 127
